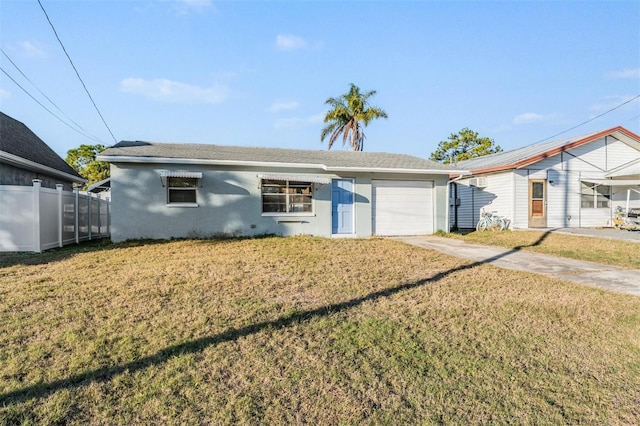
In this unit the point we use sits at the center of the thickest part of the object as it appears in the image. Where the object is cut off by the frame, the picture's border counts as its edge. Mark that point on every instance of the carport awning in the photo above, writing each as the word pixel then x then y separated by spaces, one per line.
pixel 612 182
pixel 295 178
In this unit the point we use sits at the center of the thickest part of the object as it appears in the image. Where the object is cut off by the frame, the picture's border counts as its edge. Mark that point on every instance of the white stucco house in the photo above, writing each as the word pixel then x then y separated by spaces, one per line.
pixel 162 190
pixel 572 182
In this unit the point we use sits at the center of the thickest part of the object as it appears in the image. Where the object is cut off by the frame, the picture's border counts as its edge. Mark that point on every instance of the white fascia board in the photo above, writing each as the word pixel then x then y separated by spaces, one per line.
pixel 171 160
pixel 393 170
pixel 19 161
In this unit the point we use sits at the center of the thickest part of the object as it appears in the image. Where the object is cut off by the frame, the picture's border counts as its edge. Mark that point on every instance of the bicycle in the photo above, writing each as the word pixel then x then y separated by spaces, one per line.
pixel 490 221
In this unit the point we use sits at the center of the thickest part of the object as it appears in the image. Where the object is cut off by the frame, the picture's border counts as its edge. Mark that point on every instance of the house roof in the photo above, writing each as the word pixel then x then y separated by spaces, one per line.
pixel 153 152
pixel 530 154
pixel 20 146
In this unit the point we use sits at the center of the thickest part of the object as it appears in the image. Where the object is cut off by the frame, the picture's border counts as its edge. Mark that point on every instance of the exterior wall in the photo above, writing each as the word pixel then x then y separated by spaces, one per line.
pixel 230 204
pixel 11 175
pixel 563 173
pixel 497 197
pixel 440 203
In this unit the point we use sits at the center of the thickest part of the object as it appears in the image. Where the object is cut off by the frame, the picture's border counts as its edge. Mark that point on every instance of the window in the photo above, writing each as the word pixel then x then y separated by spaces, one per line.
pixel 181 190
pixel 592 196
pixel 283 196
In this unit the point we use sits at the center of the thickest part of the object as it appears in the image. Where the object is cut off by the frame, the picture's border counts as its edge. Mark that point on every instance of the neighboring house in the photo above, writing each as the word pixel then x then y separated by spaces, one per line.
pixel 572 182
pixel 102 188
pixel 163 191
pixel 25 157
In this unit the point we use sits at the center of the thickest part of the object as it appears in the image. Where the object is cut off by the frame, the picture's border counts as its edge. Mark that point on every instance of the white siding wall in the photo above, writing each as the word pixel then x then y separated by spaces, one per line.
pixel 521 216
pixel 563 199
pixel 497 196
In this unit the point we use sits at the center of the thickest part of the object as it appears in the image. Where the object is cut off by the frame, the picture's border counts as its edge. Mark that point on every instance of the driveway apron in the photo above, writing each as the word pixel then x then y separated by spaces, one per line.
pixel 607 277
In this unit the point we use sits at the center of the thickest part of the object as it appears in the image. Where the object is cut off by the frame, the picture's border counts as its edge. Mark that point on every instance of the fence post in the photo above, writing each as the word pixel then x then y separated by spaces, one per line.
pixel 59 188
pixel 36 215
pixel 99 218
pixel 89 206
pixel 109 218
pixel 76 214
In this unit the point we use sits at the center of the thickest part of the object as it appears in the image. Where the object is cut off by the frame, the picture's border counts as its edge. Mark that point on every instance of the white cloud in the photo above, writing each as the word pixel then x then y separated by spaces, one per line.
pixel 4 94
pixel 290 42
pixel 610 102
pixel 297 122
pixel 627 73
pixel 185 7
pixel 528 117
pixel 165 90
pixel 198 4
pixel 31 49
pixel 283 106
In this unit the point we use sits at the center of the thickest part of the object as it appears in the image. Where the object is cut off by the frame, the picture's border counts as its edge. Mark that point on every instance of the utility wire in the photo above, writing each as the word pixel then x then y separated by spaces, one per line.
pixel 591 119
pixel 48 110
pixel 49 99
pixel 76 70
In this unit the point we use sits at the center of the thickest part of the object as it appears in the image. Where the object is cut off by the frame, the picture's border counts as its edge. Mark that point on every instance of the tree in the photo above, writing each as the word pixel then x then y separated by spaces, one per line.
pixel 348 115
pixel 464 145
pixel 83 161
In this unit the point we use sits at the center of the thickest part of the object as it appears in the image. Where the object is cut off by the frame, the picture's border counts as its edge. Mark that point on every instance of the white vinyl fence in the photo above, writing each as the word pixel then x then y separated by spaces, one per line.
pixel 34 219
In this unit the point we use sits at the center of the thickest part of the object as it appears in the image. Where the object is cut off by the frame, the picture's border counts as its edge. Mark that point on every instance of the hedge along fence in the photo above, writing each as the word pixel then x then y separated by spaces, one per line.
pixel 34 219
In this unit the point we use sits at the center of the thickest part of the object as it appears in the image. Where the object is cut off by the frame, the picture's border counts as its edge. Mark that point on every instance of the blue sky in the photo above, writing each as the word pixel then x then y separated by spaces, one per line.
pixel 258 72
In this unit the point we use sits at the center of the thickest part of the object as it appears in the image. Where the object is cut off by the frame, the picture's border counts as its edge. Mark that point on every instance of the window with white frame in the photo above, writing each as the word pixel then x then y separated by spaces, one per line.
pixel 595 196
pixel 181 190
pixel 283 196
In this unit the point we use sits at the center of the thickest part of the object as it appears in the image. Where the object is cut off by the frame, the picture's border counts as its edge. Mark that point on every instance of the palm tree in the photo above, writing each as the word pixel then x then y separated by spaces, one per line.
pixel 345 117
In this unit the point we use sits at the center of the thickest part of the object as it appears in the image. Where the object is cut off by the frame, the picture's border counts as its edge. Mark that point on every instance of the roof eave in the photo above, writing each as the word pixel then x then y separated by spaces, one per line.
pixel 22 162
pixel 323 167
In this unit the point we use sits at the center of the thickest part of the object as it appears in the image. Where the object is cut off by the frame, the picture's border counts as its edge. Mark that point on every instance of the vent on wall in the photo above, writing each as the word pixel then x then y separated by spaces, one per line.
pixel 478 182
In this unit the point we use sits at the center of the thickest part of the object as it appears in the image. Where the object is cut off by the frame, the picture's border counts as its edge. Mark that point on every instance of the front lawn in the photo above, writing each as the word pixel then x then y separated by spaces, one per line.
pixel 306 330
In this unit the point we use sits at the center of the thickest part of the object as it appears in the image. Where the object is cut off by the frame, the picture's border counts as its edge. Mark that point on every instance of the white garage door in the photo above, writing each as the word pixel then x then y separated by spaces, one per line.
pixel 402 207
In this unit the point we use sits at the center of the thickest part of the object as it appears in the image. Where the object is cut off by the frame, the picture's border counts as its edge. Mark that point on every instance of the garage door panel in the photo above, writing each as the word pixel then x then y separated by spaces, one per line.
pixel 402 207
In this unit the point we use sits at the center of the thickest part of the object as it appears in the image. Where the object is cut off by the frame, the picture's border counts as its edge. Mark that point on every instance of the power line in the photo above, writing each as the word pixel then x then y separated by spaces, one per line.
pixel 591 119
pixel 84 131
pixel 47 109
pixel 76 70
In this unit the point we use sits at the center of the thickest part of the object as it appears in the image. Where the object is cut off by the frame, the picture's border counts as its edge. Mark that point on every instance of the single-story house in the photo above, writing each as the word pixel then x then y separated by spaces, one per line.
pixel 572 182
pixel 164 190
pixel 25 157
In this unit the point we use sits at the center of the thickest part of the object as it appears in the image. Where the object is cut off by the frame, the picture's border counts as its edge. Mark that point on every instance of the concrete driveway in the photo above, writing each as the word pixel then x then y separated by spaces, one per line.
pixel 607 277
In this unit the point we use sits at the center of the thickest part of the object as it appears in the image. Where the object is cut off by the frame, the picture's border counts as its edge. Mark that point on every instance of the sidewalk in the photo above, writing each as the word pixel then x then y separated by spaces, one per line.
pixel 607 277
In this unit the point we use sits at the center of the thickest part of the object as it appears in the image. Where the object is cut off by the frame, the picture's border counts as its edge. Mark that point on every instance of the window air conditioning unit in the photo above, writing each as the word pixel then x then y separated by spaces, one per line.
pixel 478 182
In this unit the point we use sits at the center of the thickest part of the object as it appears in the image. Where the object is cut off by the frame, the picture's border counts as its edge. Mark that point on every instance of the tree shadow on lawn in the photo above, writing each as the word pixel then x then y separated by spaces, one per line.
pixel 104 374
pixel 8 259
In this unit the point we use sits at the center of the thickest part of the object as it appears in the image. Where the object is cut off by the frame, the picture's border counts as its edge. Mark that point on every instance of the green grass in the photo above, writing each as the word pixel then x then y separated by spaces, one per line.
pixel 306 330
pixel 600 250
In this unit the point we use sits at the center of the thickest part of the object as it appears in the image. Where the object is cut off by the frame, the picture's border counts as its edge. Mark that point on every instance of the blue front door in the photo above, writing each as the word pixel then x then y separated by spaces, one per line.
pixel 342 206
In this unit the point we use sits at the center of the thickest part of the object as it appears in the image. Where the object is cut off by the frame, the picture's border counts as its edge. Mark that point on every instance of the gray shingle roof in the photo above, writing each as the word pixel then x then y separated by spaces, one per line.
pixel 532 153
pixel 17 139
pixel 146 151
